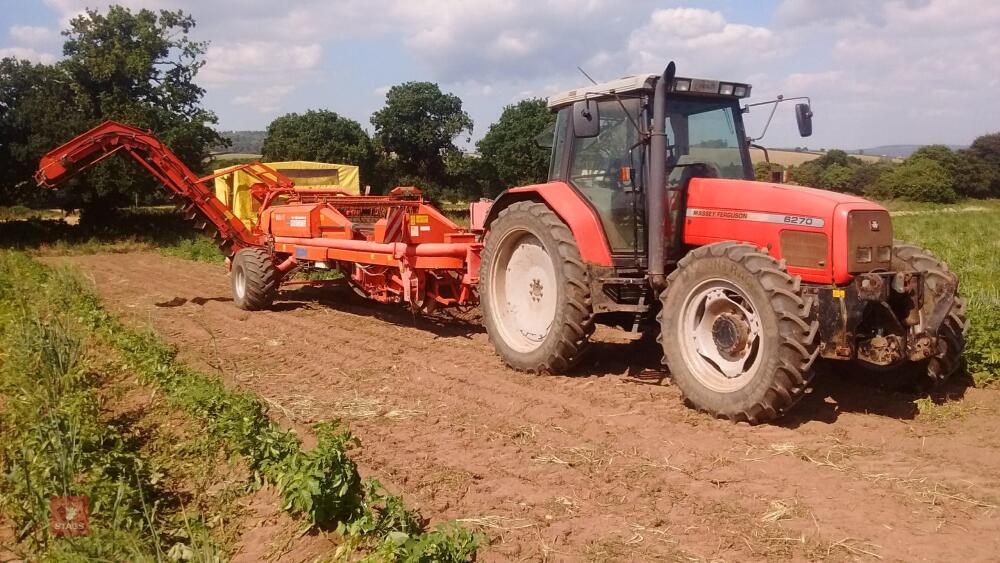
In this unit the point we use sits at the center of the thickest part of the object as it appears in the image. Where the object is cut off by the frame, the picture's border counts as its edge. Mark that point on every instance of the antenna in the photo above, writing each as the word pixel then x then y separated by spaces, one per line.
pixel 583 72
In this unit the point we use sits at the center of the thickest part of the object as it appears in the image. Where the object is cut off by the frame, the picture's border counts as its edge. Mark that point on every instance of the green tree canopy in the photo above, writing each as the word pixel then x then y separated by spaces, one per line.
pixel 970 176
pixel 919 179
pixel 836 156
pixel 36 113
pixel 418 125
pixel 135 67
pixel 322 136
pixel 836 177
pixel 510 147
pixel 987 148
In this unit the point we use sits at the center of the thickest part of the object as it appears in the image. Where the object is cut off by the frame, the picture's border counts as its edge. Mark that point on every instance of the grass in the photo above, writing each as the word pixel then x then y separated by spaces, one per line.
pixel 969 244
pixel 128 230
pixel 58 437
pixel 320 485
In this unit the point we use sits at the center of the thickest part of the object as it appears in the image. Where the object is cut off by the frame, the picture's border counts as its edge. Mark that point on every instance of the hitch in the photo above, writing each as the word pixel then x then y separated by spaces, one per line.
pixel 883 318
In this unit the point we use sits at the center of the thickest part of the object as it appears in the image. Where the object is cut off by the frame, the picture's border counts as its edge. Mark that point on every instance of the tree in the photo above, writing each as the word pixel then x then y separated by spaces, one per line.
pixel 836 177
pixel 763 171
pixel 418 125
pixel 322 136
pixel 807 174
pixel 970 176
pixel 469 177
pixel 510 145
pixel 865 175
pixel 138 68
pixel 920 179
pixel 36 114
pixel 836 156
pixel 987 148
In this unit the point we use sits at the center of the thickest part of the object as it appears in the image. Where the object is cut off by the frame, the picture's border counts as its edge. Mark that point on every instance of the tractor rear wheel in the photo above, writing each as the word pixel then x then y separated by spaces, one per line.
pixel 535 290
pixel 925 374
pixel 255 279
pixel 737 333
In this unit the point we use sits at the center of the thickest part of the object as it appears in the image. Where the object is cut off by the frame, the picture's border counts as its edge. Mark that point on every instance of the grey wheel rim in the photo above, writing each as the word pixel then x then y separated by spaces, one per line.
pixel 720 335
pixel 523 290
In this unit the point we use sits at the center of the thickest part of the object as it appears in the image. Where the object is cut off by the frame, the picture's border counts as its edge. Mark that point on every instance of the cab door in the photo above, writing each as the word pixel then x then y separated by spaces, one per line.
pixel 602 169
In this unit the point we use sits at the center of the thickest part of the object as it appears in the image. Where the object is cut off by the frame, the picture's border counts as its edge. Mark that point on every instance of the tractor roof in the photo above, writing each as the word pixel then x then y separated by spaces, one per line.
pixel 645 82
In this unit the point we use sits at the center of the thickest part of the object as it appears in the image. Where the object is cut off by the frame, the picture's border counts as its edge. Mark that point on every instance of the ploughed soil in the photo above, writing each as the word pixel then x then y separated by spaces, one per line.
pixel 605 464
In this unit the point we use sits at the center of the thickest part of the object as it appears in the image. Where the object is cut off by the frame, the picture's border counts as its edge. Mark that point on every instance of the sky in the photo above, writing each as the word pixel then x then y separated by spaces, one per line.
pixel 877 72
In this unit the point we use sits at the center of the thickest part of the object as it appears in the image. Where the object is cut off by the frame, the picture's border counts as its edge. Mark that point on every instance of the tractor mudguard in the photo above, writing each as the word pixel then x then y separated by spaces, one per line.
pixel 571 208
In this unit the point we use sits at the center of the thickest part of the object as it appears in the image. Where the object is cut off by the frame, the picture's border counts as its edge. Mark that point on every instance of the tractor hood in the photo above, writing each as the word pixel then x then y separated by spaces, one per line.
pixel 816 231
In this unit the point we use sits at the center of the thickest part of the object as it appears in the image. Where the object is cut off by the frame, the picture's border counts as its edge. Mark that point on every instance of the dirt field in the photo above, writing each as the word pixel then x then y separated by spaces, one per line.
pixel 603 465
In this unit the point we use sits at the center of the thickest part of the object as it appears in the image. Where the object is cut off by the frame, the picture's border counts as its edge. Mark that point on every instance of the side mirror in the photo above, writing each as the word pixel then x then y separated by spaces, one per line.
pixel 586 119
pixel 804 117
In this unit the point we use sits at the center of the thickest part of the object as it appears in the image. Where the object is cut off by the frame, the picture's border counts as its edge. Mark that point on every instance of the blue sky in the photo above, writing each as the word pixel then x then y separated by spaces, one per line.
pixel 898 71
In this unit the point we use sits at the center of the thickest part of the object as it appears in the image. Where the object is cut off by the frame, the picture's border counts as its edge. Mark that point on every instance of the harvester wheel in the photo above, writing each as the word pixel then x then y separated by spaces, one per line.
pixel 535 290
pixel 737 332
pixel 935 371
pixel 255 279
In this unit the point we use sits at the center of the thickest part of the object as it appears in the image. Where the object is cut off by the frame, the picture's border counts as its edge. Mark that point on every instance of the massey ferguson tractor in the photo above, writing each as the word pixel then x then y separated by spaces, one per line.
pixel 650 221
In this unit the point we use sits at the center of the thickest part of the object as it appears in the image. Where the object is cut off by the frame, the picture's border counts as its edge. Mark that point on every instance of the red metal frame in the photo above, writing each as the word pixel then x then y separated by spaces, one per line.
pixel 426 261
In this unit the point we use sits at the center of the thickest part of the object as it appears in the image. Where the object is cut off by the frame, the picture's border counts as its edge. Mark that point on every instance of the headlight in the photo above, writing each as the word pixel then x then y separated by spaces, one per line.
pixel 726 89
pixel 682 85
pixel 884 254
pixel 740 91
pixel 864 255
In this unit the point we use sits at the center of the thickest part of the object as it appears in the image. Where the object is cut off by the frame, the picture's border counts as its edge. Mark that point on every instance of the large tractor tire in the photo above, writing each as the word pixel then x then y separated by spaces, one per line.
pixel 535 290
pixel 255 279
pixel 919 376
pixel 737 333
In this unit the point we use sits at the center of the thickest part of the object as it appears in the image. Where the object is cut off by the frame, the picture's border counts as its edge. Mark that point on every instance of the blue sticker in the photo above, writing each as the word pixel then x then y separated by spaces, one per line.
pixel 300 253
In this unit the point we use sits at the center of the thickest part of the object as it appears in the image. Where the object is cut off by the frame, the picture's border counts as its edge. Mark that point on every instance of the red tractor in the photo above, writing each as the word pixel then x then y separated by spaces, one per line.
pixel 650 221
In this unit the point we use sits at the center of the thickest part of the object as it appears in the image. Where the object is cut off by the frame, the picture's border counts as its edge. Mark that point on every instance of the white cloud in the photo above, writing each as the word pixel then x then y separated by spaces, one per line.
pixel 27 53
pixel 265 100
pixel 702 43
pixel 32 35
pixel 229 62
pixel 888 71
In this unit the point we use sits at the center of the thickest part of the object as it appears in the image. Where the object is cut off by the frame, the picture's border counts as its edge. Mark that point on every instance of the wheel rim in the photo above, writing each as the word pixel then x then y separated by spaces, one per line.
pixel 240 282
pixel 523 291
pixel 720 334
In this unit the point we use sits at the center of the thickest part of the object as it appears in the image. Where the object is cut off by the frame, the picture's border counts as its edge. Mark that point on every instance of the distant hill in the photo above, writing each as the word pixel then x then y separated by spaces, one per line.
pixel 792 157
pixel 242 142
pixel 897 151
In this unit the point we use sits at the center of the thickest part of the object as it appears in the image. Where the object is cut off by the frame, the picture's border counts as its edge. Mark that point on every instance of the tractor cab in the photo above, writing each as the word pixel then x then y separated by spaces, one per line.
pixel 599 147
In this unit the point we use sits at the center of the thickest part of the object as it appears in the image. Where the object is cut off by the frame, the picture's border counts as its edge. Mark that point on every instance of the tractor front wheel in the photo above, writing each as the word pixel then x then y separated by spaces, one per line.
pixel 255 279
pixel 737 333
pixel 535 290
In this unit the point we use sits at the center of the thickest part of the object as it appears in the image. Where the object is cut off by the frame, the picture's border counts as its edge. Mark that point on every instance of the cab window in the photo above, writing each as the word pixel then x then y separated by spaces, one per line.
pixel 596 171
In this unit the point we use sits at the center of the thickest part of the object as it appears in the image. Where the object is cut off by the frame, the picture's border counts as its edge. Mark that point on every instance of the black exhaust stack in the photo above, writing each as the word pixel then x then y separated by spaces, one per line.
pixel 656 192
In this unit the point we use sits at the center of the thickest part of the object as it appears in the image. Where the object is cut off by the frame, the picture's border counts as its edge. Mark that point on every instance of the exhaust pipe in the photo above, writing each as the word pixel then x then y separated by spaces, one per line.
pixel 658 209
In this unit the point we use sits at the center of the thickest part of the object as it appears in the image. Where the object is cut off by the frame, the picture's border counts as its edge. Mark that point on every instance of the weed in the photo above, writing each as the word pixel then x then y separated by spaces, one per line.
pixel 931 411
pixel 55 441
pixel 958 239
pixel 321 484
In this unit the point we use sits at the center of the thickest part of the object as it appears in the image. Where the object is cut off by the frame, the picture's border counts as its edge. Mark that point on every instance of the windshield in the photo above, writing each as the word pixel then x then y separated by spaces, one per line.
pixel 706 132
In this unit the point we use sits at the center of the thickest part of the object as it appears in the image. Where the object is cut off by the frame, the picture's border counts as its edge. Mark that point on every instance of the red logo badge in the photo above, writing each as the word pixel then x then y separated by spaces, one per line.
pixel 69 516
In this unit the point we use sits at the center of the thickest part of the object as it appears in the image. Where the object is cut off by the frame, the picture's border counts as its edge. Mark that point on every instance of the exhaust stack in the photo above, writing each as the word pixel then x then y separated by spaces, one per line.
pixel 656 191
